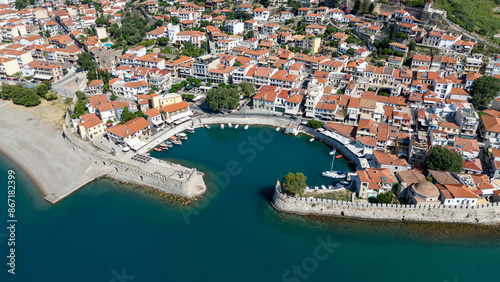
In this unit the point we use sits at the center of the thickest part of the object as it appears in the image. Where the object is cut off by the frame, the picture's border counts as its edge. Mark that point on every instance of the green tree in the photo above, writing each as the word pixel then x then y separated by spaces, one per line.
pixel 350 52
pixel 357 6
pixel 86 62
pixel 175 20
pixel 41 90
pixel 222 98
pixel 365 7
pixel 21 4
pixel 113 97
pixel 385 198
pixel 101 21
pixel 294 184
pixel 484 90
pixel 247 89
pixel 314 124
pixel 163 41
pixel 392 33
pixel 444 159
pixel 412 45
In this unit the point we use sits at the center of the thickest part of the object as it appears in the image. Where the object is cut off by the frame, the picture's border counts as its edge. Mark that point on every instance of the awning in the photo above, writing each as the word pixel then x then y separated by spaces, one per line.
pixel 157 122
pixel 43 77
pixel 184 115
pixel 135 143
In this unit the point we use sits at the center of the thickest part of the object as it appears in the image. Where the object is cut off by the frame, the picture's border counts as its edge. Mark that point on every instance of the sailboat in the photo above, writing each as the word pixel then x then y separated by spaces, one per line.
pixel 333 174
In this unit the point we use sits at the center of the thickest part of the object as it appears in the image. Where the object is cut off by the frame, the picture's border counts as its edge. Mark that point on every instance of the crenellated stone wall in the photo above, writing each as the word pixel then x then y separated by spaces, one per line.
pixel 488 214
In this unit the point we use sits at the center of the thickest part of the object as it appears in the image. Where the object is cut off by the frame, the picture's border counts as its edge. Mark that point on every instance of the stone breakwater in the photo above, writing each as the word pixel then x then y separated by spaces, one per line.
pixel 157 174
pixel 488 214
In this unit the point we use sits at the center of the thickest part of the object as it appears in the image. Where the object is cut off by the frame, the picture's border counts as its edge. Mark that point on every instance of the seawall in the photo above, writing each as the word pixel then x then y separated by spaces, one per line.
pixel 488 214
pixel 161 175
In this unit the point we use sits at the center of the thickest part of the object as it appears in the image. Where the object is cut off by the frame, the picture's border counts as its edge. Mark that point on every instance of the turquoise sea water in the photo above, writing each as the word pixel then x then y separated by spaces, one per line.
pixel 109 232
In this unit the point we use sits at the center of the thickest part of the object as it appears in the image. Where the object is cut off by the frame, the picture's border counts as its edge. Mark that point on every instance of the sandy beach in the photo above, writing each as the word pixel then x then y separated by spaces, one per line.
pixel 32 137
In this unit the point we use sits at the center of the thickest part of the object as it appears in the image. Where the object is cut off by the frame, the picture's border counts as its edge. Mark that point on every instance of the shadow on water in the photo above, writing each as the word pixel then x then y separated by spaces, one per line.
pixel 267 192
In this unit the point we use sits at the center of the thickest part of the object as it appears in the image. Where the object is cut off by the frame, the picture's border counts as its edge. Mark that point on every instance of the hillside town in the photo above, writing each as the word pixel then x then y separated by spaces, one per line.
pixel 388 84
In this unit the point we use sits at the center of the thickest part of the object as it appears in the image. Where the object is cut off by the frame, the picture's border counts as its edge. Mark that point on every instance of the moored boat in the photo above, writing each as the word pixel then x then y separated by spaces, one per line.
pixel 190 130
pixel 278 129
pixel 230 125
pixel 312 139
pixel 182 135
pixel 222 126
pixel 333 174
pixel 246 127
pixel 236 126
pixel 207 127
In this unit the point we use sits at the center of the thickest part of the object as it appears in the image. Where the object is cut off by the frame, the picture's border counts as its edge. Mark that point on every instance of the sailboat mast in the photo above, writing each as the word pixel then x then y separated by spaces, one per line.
pixel 333 159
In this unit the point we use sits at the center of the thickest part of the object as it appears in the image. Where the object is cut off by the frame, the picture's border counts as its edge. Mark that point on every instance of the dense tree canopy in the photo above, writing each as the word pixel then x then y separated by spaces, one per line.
pixel 128 115
pixel 314 124
pixel 79 109
pixel 222 99
pixel 247 89
pixel 162 41
pixel 444 159
pixel 86 62
pixel 294 183
pixel 484 90
pixel 25 96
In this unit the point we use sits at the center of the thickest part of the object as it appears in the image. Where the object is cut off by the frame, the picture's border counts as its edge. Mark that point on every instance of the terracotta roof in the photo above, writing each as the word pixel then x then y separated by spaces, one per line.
pixel 491 123
pixel 388 159
pixel 175 107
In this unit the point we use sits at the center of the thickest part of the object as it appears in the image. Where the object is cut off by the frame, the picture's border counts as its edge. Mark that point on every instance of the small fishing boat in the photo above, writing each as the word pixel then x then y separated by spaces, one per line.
pixel 222 126
pixel 323 187
pixel 343 182
pixel 207 127
pixel 278 129
pixel 338 157
pixel 125 149
pixel 246 127
pixel 158 149
pixel 230 125
pixel 182 135
pixel 190 130
pixel 175 140
pixel 168 144
pixel 312 139
pixel 236 126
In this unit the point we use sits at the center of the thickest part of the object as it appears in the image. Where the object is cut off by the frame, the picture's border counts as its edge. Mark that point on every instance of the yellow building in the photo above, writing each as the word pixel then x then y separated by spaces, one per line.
pixel 9 66
pixel 90 126
pixel 313 44
pixel 159 101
